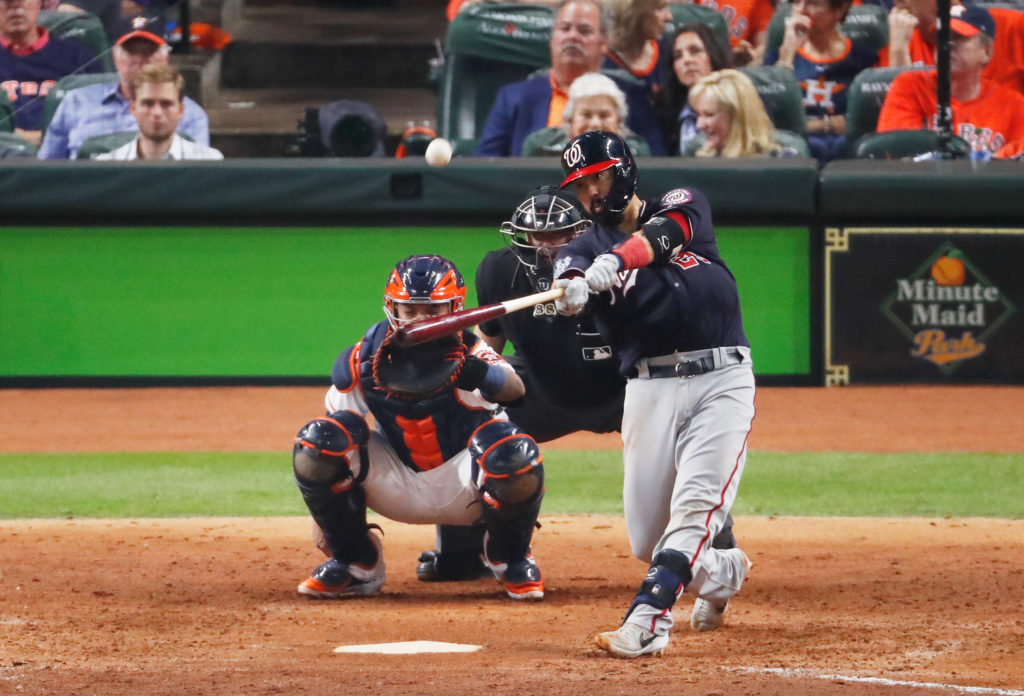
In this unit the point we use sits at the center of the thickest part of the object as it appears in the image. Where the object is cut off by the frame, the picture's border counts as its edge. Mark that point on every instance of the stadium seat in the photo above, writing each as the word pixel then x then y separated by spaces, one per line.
pixel 863 23
pixel 12 145
pixel 66 84
pixel 98 144
pixel 864 101
pixel 81 27
pixel 901 144
pixel 781 94
pixel 6 113
pixel 488 46
pixel 786 139
pixel 685 13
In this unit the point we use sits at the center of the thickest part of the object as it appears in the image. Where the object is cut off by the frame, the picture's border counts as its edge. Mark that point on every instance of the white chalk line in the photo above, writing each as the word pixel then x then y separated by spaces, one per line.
pixel 783 672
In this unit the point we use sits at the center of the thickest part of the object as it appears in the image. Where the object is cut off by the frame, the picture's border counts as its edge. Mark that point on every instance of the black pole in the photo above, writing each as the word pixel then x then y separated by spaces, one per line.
pixel 944 116
pixel 185 22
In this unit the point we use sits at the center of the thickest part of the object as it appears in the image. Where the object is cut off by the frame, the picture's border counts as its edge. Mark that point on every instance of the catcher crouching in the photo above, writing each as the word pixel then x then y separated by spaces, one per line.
pixel 441 451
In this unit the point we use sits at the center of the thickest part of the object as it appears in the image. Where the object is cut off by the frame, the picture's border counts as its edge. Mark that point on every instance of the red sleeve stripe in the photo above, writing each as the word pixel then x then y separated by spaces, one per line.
pixel 683 222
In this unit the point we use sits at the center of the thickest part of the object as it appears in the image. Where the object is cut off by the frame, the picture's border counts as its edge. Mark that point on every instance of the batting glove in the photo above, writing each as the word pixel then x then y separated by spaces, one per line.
pixel 602 273
pixel 575 297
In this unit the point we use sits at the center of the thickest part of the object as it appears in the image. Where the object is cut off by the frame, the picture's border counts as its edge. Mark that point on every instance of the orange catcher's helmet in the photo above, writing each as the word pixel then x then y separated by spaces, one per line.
pixel 424 279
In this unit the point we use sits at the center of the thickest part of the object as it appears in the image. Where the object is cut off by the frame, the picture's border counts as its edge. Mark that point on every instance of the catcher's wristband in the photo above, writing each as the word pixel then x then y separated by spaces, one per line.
pixel 479 374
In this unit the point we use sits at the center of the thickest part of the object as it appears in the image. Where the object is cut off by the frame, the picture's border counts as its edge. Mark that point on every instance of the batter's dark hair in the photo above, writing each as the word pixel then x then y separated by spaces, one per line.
pixel 673 95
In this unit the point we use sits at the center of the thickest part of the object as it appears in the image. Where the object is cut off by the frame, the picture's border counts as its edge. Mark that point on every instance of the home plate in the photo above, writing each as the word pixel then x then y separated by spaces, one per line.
pixel 409 647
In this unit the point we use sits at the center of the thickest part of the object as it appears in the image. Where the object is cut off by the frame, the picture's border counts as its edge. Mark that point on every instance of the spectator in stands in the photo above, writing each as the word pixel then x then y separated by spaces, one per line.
pixel 696 53
pixel 595 104
pixel 824 61
pixel 913 35
pixel 104 108
pixel 748 22
pixel 31 61
pixel 578 41
pixel 985 114
pixel 107 11
pixel 637 28
pixel 732 118
pixel 158 104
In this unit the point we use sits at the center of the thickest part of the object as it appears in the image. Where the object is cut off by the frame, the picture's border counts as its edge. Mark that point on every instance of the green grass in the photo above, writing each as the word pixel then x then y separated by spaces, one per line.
pixel 260 484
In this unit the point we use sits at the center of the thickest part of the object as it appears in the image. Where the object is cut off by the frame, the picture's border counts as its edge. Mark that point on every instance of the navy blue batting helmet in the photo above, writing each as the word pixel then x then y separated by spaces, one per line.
pixel 424 279
pixel 596 151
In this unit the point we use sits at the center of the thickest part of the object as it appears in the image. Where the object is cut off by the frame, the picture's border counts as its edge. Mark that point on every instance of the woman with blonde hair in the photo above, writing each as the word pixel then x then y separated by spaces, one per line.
pixel 732 117
pixel 595 104
pixel 637 28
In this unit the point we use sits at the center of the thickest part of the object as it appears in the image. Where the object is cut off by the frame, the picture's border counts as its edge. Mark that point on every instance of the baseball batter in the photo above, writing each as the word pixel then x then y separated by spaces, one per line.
pixel 651 273
pixel 440 450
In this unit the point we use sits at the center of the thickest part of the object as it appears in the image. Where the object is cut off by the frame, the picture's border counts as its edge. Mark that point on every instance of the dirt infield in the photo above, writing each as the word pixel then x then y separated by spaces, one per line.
pixel 207 606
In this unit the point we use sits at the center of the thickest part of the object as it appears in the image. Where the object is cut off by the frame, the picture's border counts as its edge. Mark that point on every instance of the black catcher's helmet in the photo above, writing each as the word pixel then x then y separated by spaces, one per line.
pixel 595 151
pixel 540 226
pixel 424 280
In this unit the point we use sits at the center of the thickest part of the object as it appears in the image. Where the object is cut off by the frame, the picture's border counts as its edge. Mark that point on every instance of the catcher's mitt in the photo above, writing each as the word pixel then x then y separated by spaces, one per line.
pixel 419 371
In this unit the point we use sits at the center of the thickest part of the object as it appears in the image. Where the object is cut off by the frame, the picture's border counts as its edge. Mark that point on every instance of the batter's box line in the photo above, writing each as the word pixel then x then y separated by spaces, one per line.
pixel 783 672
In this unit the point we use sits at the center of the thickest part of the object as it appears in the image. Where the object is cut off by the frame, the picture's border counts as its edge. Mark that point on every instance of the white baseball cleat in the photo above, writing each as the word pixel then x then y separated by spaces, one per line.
pixel 707 615
pixel 632 640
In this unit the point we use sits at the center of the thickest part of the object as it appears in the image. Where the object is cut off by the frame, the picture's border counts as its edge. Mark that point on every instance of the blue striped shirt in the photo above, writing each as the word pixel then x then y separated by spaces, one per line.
pixel 100 110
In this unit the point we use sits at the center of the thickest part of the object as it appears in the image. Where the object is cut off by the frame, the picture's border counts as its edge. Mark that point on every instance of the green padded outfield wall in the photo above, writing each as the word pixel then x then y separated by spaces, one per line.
pixel 130 302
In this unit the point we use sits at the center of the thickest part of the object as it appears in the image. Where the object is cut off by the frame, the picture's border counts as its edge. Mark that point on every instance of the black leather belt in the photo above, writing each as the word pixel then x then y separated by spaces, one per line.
pixel 694 362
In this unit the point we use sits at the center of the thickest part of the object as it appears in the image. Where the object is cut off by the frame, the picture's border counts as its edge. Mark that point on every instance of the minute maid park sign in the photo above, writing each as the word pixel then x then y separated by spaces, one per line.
pixel 947 308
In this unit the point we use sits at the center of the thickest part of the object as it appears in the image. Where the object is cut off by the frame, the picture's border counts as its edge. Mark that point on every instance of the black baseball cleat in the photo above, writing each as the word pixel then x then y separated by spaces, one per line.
pixel 450 567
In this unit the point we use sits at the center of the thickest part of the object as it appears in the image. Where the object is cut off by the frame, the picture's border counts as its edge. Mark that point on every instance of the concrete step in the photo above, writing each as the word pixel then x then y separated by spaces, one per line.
pixel 290 55
pixel 259 64
pixel 269 118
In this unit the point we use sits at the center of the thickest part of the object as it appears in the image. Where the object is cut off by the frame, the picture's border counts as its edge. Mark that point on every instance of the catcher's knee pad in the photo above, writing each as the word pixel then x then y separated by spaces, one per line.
pixel 666 579
pixel 510 474
pixel 510 469
pixel 329 457
pixel 331 450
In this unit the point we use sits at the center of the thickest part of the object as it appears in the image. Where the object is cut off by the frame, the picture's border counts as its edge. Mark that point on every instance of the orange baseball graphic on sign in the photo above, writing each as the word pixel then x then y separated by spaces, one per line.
pixel 948 271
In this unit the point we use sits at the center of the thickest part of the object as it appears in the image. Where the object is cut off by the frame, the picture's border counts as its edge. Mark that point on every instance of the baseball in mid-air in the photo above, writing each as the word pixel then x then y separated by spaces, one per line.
pixel 439 152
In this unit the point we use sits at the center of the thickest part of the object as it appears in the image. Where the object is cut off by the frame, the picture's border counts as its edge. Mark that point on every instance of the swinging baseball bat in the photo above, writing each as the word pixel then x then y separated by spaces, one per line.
pixel 423 330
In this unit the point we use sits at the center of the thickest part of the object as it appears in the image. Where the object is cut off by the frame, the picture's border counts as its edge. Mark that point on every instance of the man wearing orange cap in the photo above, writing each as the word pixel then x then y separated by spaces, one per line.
pixel 985 114
pixel 106 108
pixel 913 35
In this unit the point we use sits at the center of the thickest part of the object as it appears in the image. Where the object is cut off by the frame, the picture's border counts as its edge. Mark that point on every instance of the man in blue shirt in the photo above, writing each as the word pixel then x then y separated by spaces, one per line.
pixel 31 61
pixel 105 108
pixel 578 42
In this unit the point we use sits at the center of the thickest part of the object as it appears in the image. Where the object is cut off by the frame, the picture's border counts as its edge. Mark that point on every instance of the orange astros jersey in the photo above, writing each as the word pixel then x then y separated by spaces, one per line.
pixel 993 117
pixel 1007 64
pixel 746 18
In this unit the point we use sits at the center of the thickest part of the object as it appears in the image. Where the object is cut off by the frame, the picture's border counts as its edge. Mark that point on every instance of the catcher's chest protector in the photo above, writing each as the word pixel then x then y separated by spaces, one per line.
pixel 424 433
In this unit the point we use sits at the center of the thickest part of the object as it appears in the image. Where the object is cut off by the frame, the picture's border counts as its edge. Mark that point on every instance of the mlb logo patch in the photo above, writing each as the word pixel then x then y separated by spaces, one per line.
pixel 677 196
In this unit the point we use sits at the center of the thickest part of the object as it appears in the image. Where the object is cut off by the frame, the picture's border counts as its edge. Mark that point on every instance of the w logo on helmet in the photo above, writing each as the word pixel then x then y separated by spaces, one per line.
pixel 573 155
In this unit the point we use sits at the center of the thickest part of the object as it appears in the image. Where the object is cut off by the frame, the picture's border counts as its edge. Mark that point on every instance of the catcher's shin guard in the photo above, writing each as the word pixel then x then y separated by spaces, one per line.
pixel 666 579
pixel 510 475
pixel 329 460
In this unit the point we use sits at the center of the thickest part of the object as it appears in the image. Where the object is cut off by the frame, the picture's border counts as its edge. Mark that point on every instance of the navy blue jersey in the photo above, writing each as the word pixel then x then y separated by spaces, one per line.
pixel 27 75
pixel 825 84
pixel 424 433
pixel 689 302
pixel 562 352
